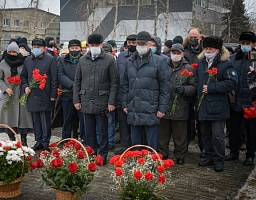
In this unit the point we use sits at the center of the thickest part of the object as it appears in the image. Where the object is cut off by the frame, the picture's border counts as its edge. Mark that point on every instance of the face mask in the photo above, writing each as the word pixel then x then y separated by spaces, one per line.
pixel 210 55
pixel 74 53
pixel 50 45
pixel 131 48
pixel 193 42
pixel 11 57
pixel 246 48
pixel 142 49
pixel 36 51
pixel 153 49
pixel 175 58
pixel 95 51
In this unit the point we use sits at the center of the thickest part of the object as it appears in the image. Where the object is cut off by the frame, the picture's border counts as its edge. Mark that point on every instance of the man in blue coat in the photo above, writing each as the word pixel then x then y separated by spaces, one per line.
pixel 40 101
pixel 213 105
pixel 146 91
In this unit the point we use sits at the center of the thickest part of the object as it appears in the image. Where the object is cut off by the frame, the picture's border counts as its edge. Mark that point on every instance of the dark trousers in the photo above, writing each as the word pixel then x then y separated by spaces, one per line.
pixel 124 130
pixel 91 138
pixel 235 135
pixel 69 115
pixel 42 127
pixel 151 133
pixel 213 138
pixel 178 130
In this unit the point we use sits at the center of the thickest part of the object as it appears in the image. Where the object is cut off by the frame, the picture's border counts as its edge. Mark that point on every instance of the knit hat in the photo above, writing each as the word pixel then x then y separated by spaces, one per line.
pixel 131 37
pixel 107 47
pixel 247 36
pixel 38 41
pixel 177 47
pixel 95 38
pixel 178 39
pixel 213 41
pixel 13 47
pixel 74 42
pixel 83 43
pixel 143 36
pixel 112 43
pixel 64 51
pixel 168 43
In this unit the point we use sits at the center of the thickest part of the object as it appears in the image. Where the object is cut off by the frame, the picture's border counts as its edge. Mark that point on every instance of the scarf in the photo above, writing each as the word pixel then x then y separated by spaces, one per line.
pixel 14 62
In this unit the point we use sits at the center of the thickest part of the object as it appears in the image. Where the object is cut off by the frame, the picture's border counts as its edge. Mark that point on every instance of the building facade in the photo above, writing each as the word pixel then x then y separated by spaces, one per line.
pixel 115 19
pixel 29 23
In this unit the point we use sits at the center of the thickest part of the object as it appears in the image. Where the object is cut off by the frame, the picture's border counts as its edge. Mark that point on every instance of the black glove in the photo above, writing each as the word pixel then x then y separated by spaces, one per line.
pixel 179 89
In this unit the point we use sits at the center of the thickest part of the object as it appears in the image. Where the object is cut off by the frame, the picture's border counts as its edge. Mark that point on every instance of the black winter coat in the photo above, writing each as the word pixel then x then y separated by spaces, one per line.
pixel 242 91
pixel 189 84
pixel 146 88
pixel 215 104
pixel 96 83
pixel 66 76
pixel 40 100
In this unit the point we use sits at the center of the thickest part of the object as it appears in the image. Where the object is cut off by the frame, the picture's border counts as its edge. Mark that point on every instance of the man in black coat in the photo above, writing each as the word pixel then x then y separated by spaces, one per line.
pixel 146 91
pixel 40 101
pixel 95 91
pixel 213 104
pixel 66 75
pixel 243 96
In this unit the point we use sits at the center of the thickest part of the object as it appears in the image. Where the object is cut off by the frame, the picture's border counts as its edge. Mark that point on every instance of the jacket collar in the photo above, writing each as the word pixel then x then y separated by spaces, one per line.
pixel 100 56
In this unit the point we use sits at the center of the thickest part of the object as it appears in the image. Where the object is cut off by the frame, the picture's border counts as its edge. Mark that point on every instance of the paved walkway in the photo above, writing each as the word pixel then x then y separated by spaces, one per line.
pixel 189 181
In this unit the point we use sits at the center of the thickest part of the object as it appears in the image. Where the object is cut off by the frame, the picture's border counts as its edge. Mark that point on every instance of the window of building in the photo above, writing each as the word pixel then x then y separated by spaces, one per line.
pixel 6 22
pixel 213 29
pixel 16 22
pixel 43 25
pixel 201 3
pixel 26 23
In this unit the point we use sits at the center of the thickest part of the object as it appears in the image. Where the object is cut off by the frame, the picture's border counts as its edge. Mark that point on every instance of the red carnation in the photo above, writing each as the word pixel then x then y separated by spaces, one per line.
pixel 119 172
pixel 160 169
pixel 145 152
pixel 141 161
pixel 58 162
pixel 92 167
pixel 56 153
pixel 168 163
pixel 89 150
pixel 137 153
pixel 118 163
pixel 53 145
pixel 194 65
pixel 72 167
pixel 80 154
pixel 6 148
pixel 155 157
pixel 99 160
pixel 137 174
pixel 32 166
pixel 29 158
pixel 148 176
pixel 114 159
pixel 161 179
pixel 18 145
pixel 39 163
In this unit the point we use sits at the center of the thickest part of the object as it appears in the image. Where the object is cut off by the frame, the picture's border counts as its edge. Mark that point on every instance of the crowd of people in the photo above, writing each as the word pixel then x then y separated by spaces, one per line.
pixel 195 86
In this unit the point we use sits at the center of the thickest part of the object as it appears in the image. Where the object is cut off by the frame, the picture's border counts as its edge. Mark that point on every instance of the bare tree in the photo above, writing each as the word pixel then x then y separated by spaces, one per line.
pixel 204 14
pixel 93 15
pixel 115 21
pixel 35 17
pixel 2 24
pixel 155 17
pixel 166 20
pixel 193 12
pixel 137 16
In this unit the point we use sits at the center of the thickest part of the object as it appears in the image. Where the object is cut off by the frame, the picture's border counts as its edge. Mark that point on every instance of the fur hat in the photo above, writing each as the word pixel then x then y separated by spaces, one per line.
pixel 143 36
pixel 131 37
pixel 247 36
pixel 95 38
pixel 74 42
pixel 38 41
pixel 168 43
pixel 213 41
pixel 13 47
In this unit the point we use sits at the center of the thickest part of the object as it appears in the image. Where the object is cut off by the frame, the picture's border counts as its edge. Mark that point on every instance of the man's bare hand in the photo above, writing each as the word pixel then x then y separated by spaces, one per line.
pixel 111 108
pixel 27 90
pixel 9 91
pixel 160 114
pixel 125 110
pixel 78 106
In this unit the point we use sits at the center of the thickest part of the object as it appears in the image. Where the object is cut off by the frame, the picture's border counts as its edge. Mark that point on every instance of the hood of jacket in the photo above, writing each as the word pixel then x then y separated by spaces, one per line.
pixel 158 42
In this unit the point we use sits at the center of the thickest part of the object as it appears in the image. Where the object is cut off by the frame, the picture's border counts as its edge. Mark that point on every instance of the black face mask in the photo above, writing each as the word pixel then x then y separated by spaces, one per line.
pixel 50 45
pixel 193 42
pixel 131 48
pixel 74 53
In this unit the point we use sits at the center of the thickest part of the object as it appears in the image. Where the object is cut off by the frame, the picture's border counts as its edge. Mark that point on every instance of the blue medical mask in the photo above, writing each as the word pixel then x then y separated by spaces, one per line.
pixel 246 48
pixel 36 51
pixel 153 49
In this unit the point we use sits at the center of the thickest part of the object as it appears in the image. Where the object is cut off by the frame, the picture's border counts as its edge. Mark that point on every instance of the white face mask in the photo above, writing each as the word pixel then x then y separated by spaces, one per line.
pixel 210 55
pixel 142 49
pixel 175 57
pixel 95 51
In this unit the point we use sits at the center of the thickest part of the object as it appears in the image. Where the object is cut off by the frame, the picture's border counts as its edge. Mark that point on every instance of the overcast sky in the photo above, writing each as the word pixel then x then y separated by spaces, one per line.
pixel 53 6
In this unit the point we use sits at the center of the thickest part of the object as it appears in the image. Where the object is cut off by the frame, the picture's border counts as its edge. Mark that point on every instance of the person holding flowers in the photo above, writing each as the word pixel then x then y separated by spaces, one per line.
pixel 12 113
pixel 216 77
pixel 243 94
pixel 39 81
pixel 182 86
